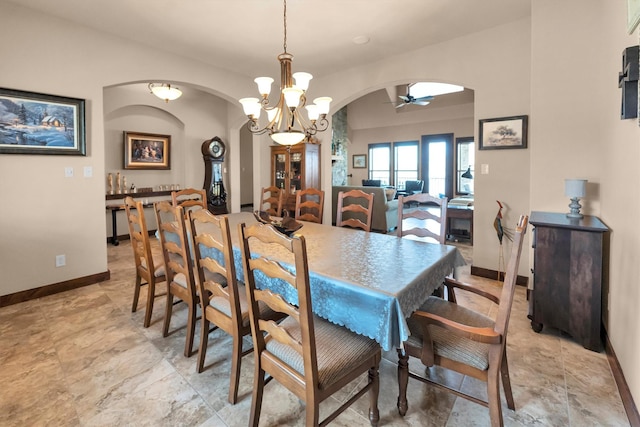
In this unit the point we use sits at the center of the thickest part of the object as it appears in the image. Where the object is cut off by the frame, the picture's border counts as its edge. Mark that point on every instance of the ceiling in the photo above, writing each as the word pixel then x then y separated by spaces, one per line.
pixel 245 36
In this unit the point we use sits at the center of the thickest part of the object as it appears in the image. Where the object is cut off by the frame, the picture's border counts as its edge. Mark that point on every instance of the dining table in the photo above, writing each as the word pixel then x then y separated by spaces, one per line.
pixel 367 282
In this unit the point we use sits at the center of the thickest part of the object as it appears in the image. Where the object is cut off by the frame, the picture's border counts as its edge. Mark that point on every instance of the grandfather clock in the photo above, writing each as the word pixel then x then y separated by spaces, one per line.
pixel 213 151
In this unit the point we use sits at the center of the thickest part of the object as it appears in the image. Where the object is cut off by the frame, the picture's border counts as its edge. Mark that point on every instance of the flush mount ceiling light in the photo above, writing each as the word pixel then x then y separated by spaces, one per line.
pixel 164 91
pixel 286 124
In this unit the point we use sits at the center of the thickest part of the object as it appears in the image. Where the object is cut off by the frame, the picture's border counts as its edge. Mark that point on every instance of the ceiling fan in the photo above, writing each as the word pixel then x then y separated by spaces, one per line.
pixel 408 99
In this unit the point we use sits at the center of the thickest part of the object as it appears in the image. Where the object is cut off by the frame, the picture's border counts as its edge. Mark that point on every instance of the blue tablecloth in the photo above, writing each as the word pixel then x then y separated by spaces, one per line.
pixel 367 282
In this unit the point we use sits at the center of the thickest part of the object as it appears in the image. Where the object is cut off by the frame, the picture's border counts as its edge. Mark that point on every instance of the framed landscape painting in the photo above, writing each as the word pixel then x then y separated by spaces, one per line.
pixel 146 151
pixel 359 160
pixel 503 133
pixel 37 123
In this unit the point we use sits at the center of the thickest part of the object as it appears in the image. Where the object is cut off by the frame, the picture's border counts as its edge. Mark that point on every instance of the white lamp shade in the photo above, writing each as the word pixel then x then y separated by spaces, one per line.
pixel 575 187
pixel 312 112
pixel 287 138
pixel 165 91
pixel 323 103
pixel 272 114
pixel 264 85
pixel 251 107
pixel 292 96
pixel 302 80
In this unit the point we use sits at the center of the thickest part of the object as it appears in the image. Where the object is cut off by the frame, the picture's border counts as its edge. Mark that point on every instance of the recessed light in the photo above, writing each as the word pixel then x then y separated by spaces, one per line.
pixel 361 40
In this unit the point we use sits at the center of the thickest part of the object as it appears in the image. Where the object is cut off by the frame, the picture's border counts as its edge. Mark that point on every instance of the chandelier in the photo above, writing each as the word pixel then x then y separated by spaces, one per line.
pixel 286 125
pixel 164 91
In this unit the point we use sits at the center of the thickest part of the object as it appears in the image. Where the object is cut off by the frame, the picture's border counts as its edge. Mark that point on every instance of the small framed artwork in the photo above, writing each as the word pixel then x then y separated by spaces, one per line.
pixel 359 160
pixel 503 133
pixel 37 123
pixel 146 151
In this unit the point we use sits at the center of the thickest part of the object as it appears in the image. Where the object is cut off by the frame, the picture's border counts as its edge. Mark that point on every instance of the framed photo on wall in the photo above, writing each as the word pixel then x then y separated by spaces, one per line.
pixel 37 123
pixel 503 133
pixel 147 151
pixel 633 15
pixel 359 161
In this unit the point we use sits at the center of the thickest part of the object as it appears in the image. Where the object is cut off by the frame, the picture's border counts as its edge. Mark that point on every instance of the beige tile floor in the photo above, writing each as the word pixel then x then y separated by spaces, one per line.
pixel 81 358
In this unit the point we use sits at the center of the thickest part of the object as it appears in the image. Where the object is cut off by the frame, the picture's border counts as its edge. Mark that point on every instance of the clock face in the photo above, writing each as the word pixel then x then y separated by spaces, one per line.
pixel 216 148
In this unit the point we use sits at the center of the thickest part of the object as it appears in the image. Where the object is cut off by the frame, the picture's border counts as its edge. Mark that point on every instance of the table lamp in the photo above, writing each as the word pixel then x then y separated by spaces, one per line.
pixel 575 189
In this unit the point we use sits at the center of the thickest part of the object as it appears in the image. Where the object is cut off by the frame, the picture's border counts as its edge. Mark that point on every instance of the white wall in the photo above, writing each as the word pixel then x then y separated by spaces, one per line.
pixel 576 57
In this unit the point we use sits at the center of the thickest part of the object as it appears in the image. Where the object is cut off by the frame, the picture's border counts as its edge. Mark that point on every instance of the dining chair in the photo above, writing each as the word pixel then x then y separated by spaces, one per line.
pixel 312 357
pixel 309 205
pixel 181 281
pixel 419 221
pixel 148 268
pixel 189 199
pixel 223 299
pixel 272 200
pixel 356 211
pixel 454 337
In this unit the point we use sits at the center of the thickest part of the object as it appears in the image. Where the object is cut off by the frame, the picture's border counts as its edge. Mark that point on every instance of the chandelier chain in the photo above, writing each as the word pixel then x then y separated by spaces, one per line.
pixel 285 26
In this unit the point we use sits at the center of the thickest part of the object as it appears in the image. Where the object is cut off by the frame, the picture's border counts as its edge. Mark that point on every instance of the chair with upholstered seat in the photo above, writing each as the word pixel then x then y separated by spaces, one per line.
pixel 222 298
pixel 309 205
pixel 181 282
pixel 311 357
pixel 189 199
pixel 148 268
pixel 272 200
pixel 354 209
pixel 419 221
pixel 454 337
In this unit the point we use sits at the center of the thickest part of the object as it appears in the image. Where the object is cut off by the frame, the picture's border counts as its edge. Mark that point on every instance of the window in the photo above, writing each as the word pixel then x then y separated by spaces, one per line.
pixel 465 159
pixel 406 162
pixel 437 164
pixel 380 162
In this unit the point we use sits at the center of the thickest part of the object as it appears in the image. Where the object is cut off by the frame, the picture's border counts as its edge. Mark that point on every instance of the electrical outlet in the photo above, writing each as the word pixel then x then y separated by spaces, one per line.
pixel 61 260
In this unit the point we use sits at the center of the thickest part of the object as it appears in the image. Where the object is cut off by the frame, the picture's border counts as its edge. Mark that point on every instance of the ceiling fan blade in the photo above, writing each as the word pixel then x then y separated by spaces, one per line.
pixel 400 105
pixel 405 98
pixel 421 103
pixel 425 98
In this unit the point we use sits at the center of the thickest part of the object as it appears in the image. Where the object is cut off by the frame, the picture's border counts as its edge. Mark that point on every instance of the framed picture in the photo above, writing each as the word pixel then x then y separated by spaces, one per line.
pixel 633 15
pixel 359 160
pixel 37 123
pixel 503 133
pixel 146 151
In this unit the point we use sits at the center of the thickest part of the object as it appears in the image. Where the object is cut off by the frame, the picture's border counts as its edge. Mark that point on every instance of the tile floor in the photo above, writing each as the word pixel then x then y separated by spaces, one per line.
pixel 81 358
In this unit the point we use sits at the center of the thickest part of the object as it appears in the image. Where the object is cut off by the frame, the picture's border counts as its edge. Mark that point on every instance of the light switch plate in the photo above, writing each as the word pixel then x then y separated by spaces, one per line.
pixel 68 172
pixel 88 171
pixel 484 169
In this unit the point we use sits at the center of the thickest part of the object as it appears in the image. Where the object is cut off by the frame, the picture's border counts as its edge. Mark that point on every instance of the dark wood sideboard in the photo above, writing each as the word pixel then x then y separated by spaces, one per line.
pixel 567 275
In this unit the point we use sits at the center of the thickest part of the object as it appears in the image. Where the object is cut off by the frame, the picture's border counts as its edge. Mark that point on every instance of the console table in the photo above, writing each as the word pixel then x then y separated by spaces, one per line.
pixel 567 275
pixel 119 207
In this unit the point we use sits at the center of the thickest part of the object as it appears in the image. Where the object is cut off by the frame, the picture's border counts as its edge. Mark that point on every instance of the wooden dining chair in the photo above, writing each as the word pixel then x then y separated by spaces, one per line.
pixel 148 269
pixel 189 199
pixel 355 209
pixel 272 200
pixel 309 205
pixel 222 298
pixel 311 357
pixel 419 221
pixel 181 282
pixel 454 337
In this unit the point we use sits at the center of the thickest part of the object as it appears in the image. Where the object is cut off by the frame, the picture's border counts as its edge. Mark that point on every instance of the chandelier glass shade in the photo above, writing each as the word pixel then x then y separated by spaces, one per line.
pixel 164 91
pixel 286 124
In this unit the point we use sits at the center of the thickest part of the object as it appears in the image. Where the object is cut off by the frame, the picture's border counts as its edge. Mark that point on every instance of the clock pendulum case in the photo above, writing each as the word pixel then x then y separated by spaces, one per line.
pixel 213 151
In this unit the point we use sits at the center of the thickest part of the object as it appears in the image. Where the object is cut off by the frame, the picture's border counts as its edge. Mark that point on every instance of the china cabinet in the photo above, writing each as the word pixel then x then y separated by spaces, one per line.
pixel 295 168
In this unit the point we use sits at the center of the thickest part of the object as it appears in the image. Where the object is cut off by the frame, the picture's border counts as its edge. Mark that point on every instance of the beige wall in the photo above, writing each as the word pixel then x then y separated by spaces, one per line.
pixel 559 67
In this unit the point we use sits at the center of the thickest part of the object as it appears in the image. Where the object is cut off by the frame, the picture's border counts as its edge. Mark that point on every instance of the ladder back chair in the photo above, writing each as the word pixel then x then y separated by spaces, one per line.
pixel 272 200
pixel 189 199
pixel 311 357
pixel 454 337
pixel 148 268
pixel 223 299
pixel 309 205
pixel 416 221
pixel 181 282
pixel 355 212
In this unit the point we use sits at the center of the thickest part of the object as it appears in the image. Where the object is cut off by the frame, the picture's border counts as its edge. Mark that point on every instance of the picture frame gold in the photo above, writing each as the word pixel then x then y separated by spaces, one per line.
pixel 147 151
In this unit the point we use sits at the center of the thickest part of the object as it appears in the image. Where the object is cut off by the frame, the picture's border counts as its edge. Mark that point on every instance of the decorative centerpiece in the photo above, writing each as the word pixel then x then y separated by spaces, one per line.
pixel 286 225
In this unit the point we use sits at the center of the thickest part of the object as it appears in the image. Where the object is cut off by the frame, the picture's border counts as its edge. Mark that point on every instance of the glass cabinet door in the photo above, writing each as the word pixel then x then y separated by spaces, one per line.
pixel 280 170
pixel 295 171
